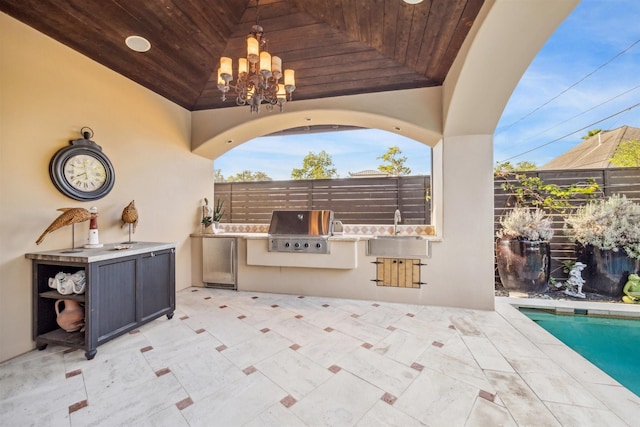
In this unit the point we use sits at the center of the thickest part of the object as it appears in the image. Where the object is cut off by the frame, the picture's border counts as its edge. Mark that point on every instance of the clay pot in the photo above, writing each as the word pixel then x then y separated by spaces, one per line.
pixel 524 265
pixel 72 317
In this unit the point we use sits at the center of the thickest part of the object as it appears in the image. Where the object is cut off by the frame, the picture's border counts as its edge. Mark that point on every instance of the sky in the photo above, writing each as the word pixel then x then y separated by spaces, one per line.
pixel 586 76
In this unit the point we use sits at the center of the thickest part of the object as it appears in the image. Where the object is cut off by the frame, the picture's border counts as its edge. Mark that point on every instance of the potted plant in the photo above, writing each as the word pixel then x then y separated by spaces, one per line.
pixel 607 233
pixel 218 211
pixel 523 253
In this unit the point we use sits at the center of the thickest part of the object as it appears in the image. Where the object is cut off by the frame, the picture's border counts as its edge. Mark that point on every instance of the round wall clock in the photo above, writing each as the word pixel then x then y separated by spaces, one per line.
pixel 81 170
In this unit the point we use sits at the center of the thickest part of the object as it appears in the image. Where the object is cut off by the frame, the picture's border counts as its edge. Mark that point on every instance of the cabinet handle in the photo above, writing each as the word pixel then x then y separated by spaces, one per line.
pixel 153 254
pixel 231 257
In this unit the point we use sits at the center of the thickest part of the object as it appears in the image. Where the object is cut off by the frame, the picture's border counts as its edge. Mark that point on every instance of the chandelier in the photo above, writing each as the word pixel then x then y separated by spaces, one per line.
pixel 259 75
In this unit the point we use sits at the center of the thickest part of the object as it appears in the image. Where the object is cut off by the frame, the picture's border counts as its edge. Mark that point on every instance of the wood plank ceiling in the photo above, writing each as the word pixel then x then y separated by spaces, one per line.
pixel 336 47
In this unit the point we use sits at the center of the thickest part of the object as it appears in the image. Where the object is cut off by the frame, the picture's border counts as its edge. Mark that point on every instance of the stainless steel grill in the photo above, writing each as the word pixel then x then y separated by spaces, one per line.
pixel 305 231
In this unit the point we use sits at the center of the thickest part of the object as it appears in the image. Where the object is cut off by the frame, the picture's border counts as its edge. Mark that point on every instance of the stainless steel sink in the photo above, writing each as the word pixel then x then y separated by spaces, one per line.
pixel 398 246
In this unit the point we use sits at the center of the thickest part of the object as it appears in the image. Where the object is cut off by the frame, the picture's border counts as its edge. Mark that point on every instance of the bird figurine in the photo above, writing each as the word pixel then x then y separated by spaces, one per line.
pixel 130 215
pixel 69 216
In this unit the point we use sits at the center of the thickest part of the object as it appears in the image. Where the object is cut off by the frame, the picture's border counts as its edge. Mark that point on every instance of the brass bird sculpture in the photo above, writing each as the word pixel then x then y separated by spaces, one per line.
pixel 69 216
pixel 130 215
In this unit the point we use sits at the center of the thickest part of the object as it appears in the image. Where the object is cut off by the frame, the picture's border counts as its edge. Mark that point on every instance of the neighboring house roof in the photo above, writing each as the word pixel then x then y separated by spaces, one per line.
pixel 368 173
pixel 594 152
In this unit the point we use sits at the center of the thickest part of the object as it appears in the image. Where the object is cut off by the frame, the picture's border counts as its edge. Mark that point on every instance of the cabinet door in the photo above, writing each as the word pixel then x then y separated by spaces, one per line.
pixel 113 295
pixel 157 284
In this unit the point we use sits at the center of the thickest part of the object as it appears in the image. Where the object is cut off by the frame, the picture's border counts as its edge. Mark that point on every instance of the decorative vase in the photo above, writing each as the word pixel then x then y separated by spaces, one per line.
pixel 72 317
pixel 524 265
pixel 607 271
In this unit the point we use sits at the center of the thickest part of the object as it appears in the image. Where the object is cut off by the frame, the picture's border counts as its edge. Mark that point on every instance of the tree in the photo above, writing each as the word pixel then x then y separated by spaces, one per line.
pixel 627 154
pixel 520 166
pixel 315 167
pixel 394 165
pixel 247 175
pixel 591 133
pixel 217 175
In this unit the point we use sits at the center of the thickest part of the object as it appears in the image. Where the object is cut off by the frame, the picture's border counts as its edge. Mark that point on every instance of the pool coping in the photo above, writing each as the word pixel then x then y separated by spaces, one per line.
pixel 613 395
pixel 571 307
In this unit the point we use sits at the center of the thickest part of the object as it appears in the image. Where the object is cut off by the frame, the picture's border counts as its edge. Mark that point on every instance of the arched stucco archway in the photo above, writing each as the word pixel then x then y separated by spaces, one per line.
pixel 415 114
pixel 457 120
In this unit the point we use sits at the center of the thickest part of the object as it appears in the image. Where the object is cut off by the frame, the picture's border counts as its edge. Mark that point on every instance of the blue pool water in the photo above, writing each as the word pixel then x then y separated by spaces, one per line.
pixel 613 345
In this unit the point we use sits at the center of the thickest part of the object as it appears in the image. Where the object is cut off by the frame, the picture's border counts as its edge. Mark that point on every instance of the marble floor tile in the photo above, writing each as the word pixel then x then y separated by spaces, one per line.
pixel 169 417
pixel 194 347
pixel 525 407
pixel 384 315
pixel 110 377
pixel 133 406
pixel 340 401
pixel 485 413
pixel 571 415
pixel 455 360
pixel 386 374
pixel 298 331
pixel 205 373
pixel 293 372
pixel 250 352
pixel 236 403
pixel 231 358
pixel 402 346
pixel 363 331
pixel 486 354
pixel 327 350
pixel 384 415
pixel 437 400
pixel 275 416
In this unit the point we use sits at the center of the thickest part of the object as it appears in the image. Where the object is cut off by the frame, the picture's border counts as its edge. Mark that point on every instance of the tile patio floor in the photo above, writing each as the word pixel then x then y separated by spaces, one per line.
pixel 253 359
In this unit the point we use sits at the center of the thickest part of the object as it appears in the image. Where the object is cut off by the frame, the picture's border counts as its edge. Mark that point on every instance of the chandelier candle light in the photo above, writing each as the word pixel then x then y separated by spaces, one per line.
pixel 259 75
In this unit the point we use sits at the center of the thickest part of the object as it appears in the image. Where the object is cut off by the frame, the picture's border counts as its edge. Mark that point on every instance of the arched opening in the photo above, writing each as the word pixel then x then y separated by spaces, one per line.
pixel 370 173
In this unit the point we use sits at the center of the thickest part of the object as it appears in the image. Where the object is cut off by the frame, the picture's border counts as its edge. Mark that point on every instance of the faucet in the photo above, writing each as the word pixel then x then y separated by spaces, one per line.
pixel 396 219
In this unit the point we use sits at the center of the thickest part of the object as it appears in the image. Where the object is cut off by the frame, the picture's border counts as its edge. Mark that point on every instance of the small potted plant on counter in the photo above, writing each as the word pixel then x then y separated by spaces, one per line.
pixel 523 253
pixel 207 217
pixel 218 211
pixel 607 236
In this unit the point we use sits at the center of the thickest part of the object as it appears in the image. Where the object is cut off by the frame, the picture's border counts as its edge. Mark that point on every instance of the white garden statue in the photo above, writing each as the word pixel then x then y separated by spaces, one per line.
pixel 575 282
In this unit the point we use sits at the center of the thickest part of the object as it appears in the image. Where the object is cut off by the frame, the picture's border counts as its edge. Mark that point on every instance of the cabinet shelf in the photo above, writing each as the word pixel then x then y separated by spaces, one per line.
pixel 61 337
pixel 57 295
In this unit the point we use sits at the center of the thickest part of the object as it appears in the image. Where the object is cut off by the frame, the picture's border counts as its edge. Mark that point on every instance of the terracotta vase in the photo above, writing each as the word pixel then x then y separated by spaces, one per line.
pixel 72 317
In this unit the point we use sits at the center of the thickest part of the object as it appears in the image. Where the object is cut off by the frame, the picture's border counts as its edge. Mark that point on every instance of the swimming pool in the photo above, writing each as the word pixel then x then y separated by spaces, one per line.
pixel 613 345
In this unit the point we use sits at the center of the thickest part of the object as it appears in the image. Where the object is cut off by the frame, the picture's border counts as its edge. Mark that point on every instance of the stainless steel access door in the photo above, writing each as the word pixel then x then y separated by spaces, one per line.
pixel 220 262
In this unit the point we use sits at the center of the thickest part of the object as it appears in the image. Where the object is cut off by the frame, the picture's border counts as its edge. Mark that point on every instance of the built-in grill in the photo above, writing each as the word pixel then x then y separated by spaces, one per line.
pixel 300 231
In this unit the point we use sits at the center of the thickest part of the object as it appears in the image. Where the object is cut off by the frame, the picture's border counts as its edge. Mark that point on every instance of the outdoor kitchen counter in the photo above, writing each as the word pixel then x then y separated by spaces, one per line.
pixel 257 236
pixel 335 238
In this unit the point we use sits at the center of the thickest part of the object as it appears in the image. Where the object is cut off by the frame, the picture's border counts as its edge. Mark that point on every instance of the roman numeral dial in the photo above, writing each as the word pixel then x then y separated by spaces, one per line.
pixel 85 172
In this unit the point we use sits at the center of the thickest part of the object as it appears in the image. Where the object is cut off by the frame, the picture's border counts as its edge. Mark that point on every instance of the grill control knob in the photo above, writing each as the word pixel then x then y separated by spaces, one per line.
pixel 296 245
pixel 286 245
pixel 318 245
pixel 306 245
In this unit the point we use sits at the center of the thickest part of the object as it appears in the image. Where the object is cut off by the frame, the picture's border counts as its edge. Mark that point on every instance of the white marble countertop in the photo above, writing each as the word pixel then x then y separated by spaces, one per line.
pixel 108 251
pixel 335 237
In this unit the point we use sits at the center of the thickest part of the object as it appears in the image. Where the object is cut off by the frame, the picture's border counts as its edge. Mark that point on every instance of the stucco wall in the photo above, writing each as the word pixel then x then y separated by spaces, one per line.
pixel 47 93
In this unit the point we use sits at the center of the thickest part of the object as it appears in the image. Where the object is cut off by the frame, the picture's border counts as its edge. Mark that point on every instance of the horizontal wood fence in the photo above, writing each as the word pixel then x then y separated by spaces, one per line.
pixel 611 181
pixel 353 200
pixel 374 200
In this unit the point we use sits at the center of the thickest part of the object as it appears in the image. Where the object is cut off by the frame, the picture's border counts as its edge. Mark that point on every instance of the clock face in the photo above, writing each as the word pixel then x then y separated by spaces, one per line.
pixel 85 173
pixel 82 171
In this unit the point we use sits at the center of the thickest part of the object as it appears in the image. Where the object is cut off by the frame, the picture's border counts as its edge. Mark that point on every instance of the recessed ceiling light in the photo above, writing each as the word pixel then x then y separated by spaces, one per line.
pixel 137 43
pixel 413 1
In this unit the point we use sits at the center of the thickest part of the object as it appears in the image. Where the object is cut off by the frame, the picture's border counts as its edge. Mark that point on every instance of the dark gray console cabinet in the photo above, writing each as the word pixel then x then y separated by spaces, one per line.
pixel 124 290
